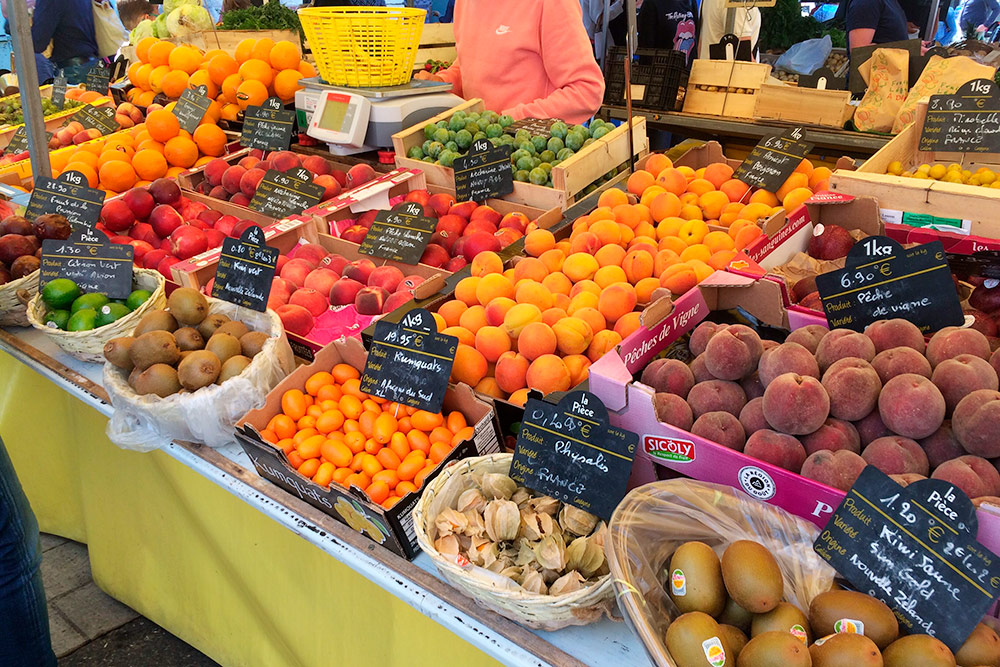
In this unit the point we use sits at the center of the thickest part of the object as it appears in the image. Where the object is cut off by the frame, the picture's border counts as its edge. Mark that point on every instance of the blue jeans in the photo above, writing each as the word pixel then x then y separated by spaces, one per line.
pixel 76 73
pixel 24 618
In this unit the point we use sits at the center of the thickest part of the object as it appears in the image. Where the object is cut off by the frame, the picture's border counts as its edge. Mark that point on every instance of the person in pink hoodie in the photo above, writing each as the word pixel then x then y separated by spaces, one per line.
pixel 525 58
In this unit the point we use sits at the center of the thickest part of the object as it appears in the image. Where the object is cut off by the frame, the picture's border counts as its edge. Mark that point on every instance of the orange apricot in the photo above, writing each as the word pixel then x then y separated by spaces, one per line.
pixel 511 370
pixel 735 190
pixel 628 324
pixel 486 263
pixel 497 309
pixel 538 241
pixel 639 181
pixel 558 283
pixel 536 339
pixel 573 335
pixel 644 290
pixel 616 300
pixel 672 180
pixel 656 163
pixel 520 316
pixel 796 198
pixel 679 278
pixel 553 259
pixel 529 267
pixel 473 319
pixel 451 311
pixel 470 365
pixel 580 266
pixel 603 342
pixel 493 286
pixel 465 290
pixel 554 314
pixel 577 365
pixel 492 342
pixel 547 374
pixel 608 275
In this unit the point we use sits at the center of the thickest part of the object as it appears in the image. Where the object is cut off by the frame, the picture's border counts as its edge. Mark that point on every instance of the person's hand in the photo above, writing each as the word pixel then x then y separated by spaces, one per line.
pixel 912 27
pixel 427 76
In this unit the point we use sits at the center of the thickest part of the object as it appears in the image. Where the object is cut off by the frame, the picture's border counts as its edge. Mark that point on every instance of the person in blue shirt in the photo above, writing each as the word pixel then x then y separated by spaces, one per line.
pixel 69 25
pixel 875 22
pixel 977 13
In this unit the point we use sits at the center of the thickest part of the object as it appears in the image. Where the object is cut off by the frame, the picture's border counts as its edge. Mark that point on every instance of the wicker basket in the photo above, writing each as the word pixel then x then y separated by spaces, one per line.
pixel 89 345
pixel 539 612
pixel 13 299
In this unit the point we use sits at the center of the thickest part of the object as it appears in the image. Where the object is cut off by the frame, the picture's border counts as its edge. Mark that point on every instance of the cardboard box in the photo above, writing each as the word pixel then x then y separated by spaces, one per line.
pixel 373 195
pixel 392 528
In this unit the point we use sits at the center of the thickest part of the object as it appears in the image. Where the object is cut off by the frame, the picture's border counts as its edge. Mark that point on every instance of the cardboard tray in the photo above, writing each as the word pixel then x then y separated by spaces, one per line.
pixel 392 528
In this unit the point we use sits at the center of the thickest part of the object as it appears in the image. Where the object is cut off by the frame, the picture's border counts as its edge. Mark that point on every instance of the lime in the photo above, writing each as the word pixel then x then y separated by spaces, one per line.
pixel 538 176
pixel 139 297
pixel 110 312
pixel 82 320
pixel 94 300
pixel 56 319
pixel 415 153
pixel 429 131
pixel 441 135
pixel 60 293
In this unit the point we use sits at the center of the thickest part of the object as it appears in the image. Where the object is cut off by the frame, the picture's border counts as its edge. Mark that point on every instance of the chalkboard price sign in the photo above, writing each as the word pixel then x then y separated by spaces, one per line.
pixel 882 281
pixel 773 160
pixel 69 195
pixel 966 122
pixel 59 90
pixel 245 271
pixel 401 234
pixel 914 548
pixel 410 362
pixel 485 172
pixel 569 452
pixel 19 142
pixel 90 261
pixel 102 118
pixel 268 127
pixel 97 79
pixel 281 195
pixel 191 107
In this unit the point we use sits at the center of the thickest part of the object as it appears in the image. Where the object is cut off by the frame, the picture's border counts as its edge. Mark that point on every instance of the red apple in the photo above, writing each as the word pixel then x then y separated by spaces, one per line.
pixel 165 191
pixel 188 241
pixel 165 219
pixel 117 216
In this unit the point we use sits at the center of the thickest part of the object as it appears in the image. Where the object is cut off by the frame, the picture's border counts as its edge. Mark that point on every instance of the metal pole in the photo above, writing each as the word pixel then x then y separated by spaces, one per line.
pixel 27 82
pixel 629 52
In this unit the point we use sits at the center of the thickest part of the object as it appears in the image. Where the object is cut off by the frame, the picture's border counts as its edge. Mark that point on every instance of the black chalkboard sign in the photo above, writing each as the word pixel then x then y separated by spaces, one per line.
pixel 966 122
pixel 485 172
pixel 97 79
pixel 281 195
pixel 69 195
pixel 410 362
pixel 731 47
pixel 915 549
pixel 59 90
pixel 401 234
pixel 569 452
pixel 19 142
pixel 102 118
pixel 773 160
pixel 268 127
pixel 90 261
pixel 245 271
pixel 823 79
pixel 191 107
pixel 881 281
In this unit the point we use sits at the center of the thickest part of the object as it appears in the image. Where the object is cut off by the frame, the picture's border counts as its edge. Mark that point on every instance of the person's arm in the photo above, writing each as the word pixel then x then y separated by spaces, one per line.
pixel 860 37
pixel 44 22
pixel 862 20
pixel 569 62
pixel 648 25
pixel 452 75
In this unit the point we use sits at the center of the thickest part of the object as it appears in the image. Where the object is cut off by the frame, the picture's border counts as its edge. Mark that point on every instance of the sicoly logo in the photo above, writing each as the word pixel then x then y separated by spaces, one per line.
pixel 503 29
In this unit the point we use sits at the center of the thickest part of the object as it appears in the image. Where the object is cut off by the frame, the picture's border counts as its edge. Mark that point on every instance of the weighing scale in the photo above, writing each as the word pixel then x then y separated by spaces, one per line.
pixel 357 120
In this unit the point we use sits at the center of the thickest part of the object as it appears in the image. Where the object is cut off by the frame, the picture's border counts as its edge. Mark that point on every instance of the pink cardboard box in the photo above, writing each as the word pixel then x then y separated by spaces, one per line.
pixel 959 244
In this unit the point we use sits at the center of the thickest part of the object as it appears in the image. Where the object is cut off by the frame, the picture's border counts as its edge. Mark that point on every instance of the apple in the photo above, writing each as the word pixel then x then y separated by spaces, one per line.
pixel 165 191
pixel 165 219
pixel 188 241
pixel 117 216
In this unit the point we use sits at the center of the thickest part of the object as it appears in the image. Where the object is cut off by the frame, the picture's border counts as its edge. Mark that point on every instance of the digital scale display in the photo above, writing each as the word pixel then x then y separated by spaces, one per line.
pixel 334 113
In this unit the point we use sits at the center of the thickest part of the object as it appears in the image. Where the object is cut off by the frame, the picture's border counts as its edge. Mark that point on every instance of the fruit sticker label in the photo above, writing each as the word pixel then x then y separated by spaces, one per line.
pixel 245 270
pixel 485 172
pixel 99 118
pixel 966 122
pixel 192 107
pixel 268 127
pixel 280 195
pixel 913 548
pixel 714 653
pixel 800 632
pixel 773 160
pixel 849 626
pixel 90 261
pixel 678 583
pixel 97 78
pixel 69 196
pixel 401 234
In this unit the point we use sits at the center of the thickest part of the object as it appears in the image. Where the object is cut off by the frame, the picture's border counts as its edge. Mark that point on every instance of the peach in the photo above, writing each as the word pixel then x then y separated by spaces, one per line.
pixel 833 435
pixel 752 386
pixel 796 404
pixel 974 475
pixel 896 455
pixel 536 339
pixel 668 375
pixel 962 375
pixel 580 266
pixel 842 343
pixel 231 179
pixel 492 342
pixel 451 311
pixel 722 428
pixel 674 410
pixel 370 300
pixel 808 336
pixel 899 360
pixel 701 335
pixel 470 365
pixel 716 395
pixel 578 366
pixel 974 422
pixel 994 358
pixel 953 341
pixel 360 270
pixel 911 406
pixel 496 310
pixel 473 318
pixel 250 180
pixel 853 387
pixel 321 280
pixel 779 449
pixel 616 300
pixel 628 324
pixel 786 358
pixel 573 335
pixel 485 263
pixel 510 371
pixel 907 478
pixel 311 300
pixel 838 469
pixel 295 319
pixel 547 374
pixel 871 428
pixel 699 370
pixel 942 445
pixel 752 416
pixel 296 271
pixel 396 300
pixel 387 277
pixel 603 342
pixel 519 316
pixel 344 292
pixel 528 291
pixel 214 171
pixel 727 357
pixel 887 334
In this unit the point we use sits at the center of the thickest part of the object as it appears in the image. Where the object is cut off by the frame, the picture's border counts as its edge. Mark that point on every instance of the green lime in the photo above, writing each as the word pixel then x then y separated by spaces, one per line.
pixel 415 153
pixel 82 320
pixel 137 298
pixel 60 293
pixel 110 312
pixel 56 319
pixel 505 121
pixel 441 135
pixel 538 176
pixel 94 300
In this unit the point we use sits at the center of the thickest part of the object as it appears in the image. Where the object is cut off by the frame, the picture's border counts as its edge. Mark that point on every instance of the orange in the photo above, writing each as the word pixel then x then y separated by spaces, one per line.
pixel 285 55
pixel 117 175
pixel 184 58
pixel 306 69
pixel 174 83
pixel 142 48
pixel 262 49
pixel 162 125
pixel 181 152
pixel 149 164
pixel 210 139
pixel 231 111
pixel 156 77
pixel 130 72
pixel 230 85
pixel 244 49
pixel 222 66
pixel 251 93
pixel 159 53
pixel 203 78
pixel 256 70
pixel 84 157
pixel 286 83
pixel 144 99
pixel 111 155
pixel 88 172
pixel 151 144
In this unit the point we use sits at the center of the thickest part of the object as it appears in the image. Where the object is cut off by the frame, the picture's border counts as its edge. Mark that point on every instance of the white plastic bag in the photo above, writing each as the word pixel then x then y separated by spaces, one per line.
pixel 111 34
pixel 805 57
pixel 145 423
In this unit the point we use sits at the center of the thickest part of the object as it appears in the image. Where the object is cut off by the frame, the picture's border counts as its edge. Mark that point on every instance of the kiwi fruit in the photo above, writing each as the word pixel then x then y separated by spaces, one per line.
pixel 188 338
pixel 223 346
pixel 185 353
pixel 827 610
pixel 188 305
pixel 981 648
pixel 198 369
pixel 116 352
pixel 752 576
pixel 774 649
pixel 695 579
pixel 210 324
pixel 845 649
pixel 154 347
pixel 917 651
pixel 735 615
pixel 233 328
pixel 159 379
pixel 233 367
pixel 694 637
pixel 132 376
pixel 253 342
pixel 785 617
pixel 157 320
pixel 733 637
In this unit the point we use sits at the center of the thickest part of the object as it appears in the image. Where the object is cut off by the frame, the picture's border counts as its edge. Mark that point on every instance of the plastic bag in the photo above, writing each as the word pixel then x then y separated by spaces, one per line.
pixel 806 57
pixel 145 423
pixel 654 519
pixel 111 34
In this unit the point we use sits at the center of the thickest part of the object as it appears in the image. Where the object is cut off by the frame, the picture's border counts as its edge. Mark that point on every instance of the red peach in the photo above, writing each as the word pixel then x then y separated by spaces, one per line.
pixel 296 271
pixel 311 300
pixel 360 270
pixel 231 178
pixel 345 291
pixel 387 277
pixel 321 280
pixel 370 300
pixel 296 319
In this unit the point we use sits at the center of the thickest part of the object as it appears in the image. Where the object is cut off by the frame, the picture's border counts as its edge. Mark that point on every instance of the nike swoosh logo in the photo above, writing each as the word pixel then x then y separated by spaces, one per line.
pixel 503 29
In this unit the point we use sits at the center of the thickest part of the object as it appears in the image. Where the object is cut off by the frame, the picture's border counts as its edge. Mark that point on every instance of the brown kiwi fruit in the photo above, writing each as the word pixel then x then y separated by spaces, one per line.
pixel 737 616
pixel 210 324
pixel 188 338
pixel 733 637
pixel 917 651
pixel 845 649
pixel 132 376
pixel 154 347
pixel 116 352
pixel 159 379
pixel 253 342
pixel 198 369
pixel 188 305
pixel 233 328
pixel 774 648
pixel 981 648
pixel 223 346
pixel 157 320
pixel 233 367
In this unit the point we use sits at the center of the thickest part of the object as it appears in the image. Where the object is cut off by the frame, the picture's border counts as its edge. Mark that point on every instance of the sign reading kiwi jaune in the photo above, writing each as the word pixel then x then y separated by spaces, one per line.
pixel 570 452
pixel 915 549
pixel 485 172
pixel 773 160
pixel 401 234
pixel 882 280
pixel 280 195
pixel 966 122
pixel 192 107
pixel 268 126
pixel 245 271
pixel 90 261
pixel 98 78
pixel 101 118
pixel 59 90
pixel 410 362
pixel 69 195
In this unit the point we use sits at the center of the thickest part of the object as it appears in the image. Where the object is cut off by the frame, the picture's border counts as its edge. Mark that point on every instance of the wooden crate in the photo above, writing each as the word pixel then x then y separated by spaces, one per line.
pixel 718 87
pixel 569 178
pixel 54 122
pixel 437 42
pixel 807 106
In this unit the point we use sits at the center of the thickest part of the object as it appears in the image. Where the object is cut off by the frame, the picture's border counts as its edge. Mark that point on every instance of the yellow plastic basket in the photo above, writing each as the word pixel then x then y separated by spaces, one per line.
pixel 363 47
